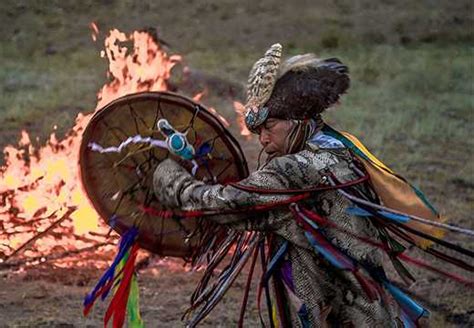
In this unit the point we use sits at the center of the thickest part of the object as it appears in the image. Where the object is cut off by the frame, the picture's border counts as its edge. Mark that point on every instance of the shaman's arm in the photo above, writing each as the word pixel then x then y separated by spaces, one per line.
pixel 175 187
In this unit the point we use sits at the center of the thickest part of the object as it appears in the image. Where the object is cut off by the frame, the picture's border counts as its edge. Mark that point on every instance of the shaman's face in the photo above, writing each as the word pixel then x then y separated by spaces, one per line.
pixel 273 134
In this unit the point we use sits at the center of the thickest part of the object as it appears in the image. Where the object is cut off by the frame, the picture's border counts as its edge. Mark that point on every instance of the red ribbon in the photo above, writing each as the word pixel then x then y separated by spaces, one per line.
pixel 118 304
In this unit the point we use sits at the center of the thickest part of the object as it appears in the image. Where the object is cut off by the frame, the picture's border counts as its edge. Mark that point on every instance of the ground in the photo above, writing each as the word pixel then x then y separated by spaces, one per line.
pixel 410 101
pixel 35 299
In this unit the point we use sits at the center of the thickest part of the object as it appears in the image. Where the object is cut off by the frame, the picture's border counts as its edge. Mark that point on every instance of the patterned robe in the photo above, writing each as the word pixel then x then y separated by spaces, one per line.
pixel 331 297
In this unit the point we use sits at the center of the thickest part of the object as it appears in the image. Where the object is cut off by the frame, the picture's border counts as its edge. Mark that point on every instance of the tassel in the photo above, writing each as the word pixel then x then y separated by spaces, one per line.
pixel 368 287
pixel 133 306
pixel 281 311
pixel 121 278
pixel 276 260
pixel 303 315
pixel 413 310
pixel 247 288
pixel 275 316
pixel 407 321
pixel 357 211
pixel 402 270
pixel 320 243
pixel 331 253
pixel 110 277
pixel 394 217
pixel 395 246
pixel 263 287
pixel 117 306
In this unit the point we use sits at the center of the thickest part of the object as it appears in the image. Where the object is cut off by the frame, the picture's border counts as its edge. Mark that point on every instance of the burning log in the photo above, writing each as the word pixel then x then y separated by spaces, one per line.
pixel 41 234
pixel 28 223
pixel 53 257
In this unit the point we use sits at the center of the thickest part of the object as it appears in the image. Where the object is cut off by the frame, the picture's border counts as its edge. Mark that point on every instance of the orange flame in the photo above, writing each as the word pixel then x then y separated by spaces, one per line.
pixel 240 110
pixel 147 68
pixel 198 97
pixel 95 31
pixel 39 185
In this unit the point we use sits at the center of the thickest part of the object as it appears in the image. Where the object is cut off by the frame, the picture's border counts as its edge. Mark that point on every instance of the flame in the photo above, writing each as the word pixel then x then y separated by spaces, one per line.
pixel 240 110
pixel 38 186
pixel 147 68
pixel 95 31
pixel 198 97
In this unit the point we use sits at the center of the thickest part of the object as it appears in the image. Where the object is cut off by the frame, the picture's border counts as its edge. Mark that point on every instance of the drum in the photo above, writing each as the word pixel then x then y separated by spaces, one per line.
pixel 121 147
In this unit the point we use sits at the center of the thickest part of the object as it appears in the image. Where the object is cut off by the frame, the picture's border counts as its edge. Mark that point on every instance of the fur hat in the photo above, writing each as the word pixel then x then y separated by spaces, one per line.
pixel 301 88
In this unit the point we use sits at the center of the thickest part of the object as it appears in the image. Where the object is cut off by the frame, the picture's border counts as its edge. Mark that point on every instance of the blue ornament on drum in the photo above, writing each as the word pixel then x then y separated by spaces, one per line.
pixel 176 141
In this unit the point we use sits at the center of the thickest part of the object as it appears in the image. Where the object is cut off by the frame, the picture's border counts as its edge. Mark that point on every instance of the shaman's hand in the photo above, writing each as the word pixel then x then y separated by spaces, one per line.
pixel 169 180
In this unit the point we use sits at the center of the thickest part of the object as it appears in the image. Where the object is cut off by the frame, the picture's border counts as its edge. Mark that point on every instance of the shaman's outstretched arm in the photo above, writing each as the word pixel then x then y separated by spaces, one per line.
pixel 175 187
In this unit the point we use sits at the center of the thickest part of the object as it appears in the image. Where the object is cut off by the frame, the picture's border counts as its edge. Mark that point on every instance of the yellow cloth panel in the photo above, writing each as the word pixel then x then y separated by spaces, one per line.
pixel 398 195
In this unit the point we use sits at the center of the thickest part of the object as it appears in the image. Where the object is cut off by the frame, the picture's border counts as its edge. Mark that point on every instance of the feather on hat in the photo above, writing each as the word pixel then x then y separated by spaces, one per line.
pixel 301 88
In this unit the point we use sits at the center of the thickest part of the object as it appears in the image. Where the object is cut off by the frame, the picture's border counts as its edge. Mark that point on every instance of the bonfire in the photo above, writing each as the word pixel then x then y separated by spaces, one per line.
pixel 45 214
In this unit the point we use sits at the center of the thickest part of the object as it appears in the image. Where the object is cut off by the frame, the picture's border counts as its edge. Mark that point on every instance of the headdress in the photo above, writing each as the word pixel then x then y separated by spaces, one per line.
pixel 301 88
pixel 262 79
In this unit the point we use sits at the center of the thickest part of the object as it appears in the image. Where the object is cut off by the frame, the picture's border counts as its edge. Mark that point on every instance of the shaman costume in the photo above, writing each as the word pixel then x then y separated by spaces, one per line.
pixel 321 218
pixel 310 291
pixel 310 284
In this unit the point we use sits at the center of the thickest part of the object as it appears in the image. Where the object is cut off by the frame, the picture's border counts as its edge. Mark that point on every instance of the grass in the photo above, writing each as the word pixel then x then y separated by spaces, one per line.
pixel 412 106
pixel 49 90
pixel 417 92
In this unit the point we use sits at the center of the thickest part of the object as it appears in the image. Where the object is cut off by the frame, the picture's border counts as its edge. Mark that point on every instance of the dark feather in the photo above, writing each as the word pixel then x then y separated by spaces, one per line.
pixel 304 91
